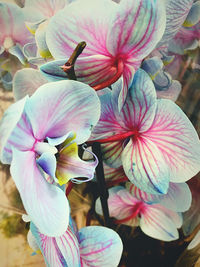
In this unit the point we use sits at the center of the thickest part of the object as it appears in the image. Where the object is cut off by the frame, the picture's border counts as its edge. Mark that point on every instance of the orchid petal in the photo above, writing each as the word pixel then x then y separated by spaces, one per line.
pixel 12 24
pixel 121 205
pixel 137 27
pixel 68 106
pixel 177 140
pixel 70 166
pixel 99 246
pixel 52 70
pixel 178 197
pixel 58 251
pixel 47 161
pixel 176 13
pixel 59 140
pixel 40 37
pixel 114 175
pixel 112 153
pixel 10 135
pixel 32 242
pixel 155 223
pixel 46 205
pixel 193 16
pixel 45 9
pixel 139 109
pixel 18 52
pixel 172 93
pixel 26 81
pixel 145 166
pixel 152 66
pixel 83 24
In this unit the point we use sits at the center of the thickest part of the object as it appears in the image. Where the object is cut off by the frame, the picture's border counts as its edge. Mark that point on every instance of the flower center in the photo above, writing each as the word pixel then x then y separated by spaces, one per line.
pixel 137 209
pixel 42 147
pixel 118 63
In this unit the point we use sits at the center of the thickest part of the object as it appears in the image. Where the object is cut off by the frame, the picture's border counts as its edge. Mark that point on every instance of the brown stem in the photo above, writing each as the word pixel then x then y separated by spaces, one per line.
pixel 68 67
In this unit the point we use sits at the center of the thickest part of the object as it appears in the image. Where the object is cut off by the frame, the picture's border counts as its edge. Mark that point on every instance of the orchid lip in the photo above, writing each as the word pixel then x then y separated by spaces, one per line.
pixel 119 67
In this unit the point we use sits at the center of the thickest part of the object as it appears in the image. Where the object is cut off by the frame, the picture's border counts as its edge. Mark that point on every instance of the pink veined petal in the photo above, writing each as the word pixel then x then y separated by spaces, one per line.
pixel 46 204
pixel 14 128
pixel 139 108
pixel 178 198
pixel 157 224
pixel 77 23
pixel 176 13
pixel 99 246
pixel 136 28
pixel 145 166
pixel 114 175
pixel 177 140
pixel 110 123
pixel 112 153
pixel 121 205
pixel 26 81
pixel 58 251
pixel 12 24
pixel 62 107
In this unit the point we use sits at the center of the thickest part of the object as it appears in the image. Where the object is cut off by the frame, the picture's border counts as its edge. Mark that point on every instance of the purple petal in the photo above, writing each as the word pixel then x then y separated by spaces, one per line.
pixel 99 246
pixel 177 140
pixel 172 92
pixel 26 81
pixel 63 107
pixel 47 161
pixel 46 204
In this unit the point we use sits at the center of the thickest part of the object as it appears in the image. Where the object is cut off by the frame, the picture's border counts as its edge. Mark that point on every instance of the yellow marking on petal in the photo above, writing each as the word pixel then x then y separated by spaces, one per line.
pixel 69 151
pixel 167 62
pixel 187 24
pixel 32 31
pixel 45 53
pixel 69 140
pixel 154 76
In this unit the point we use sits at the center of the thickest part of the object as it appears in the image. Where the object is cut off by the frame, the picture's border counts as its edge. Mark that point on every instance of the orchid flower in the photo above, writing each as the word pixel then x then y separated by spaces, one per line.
pixel 154 220
pixel 14 34
pixel 118 38
pixel 30 131
pixel 152 138
pixel 37 15
pixel 185 39
pixel 178 197
pixel 176 13
pixel 195 241
pixel 90 246
pixel 164 85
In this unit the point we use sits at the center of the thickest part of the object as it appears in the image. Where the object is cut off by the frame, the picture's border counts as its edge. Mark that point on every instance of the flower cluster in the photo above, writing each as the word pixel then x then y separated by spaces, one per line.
pixel 98 71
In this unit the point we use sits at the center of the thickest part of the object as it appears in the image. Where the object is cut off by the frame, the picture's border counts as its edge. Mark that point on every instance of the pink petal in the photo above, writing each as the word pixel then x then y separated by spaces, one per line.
pixel 58 251
pixel 145 166
pixel 158 224
pixel 137 27
pixel 84 24
pixel 63 107
pixel 177 140
pixel 43 202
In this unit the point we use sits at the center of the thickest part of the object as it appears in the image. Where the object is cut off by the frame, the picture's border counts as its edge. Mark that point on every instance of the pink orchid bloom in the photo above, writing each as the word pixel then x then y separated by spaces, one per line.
pixel 154 219
pixel 31 132
pixel 91 246
pixel 152 138
pixel 118 38
pixel 178 197
pixel 14 34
